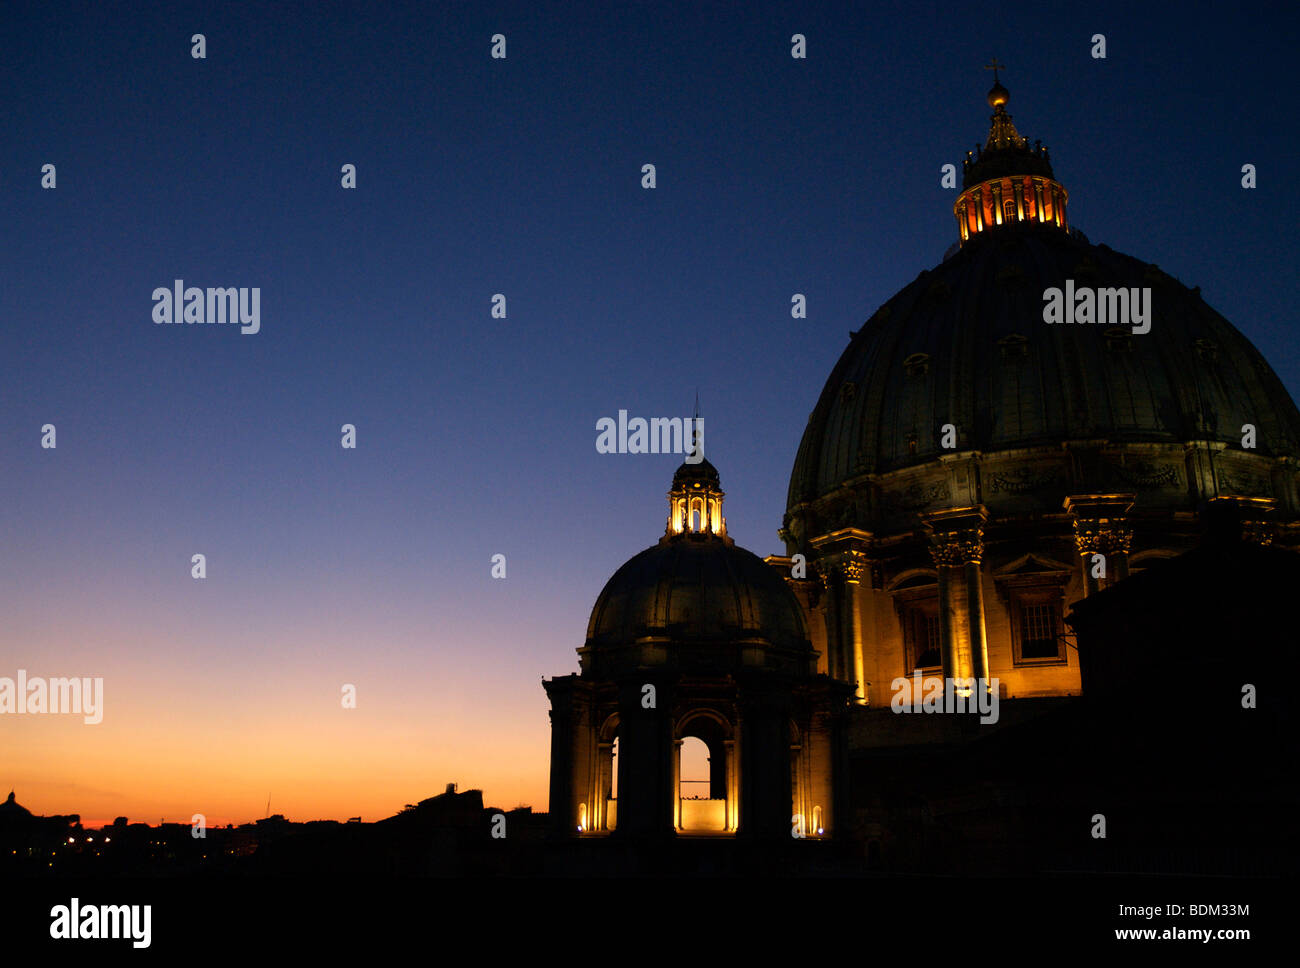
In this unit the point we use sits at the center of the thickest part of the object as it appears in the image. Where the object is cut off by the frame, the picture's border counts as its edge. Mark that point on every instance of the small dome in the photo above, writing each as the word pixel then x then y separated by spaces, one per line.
pixel 703 596
pixel 697 474
pixel 998 96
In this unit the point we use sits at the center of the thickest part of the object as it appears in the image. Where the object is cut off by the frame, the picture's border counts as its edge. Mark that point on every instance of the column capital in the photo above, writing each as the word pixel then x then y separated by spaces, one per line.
pixel 1243 518
pixel 849 566
pixel 956 535
pixel 1101 523
pixel 854 565
pixel 958 548
pixel 846 555
pixel 1258 532
pixel 1093 536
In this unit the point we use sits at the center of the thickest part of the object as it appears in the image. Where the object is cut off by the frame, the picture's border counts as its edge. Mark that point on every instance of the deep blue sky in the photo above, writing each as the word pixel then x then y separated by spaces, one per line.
pixel 476 176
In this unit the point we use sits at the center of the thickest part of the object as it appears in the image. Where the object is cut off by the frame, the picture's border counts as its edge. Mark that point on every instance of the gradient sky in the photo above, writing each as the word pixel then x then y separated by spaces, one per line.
pixel 476 435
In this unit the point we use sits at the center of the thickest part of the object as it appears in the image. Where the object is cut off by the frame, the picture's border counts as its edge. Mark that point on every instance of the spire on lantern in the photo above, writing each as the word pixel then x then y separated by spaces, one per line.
pixel 1007 182
pixel 1002 133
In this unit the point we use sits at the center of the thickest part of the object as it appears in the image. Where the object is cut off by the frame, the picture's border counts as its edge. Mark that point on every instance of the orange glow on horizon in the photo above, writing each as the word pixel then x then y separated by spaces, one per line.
pixel 186 735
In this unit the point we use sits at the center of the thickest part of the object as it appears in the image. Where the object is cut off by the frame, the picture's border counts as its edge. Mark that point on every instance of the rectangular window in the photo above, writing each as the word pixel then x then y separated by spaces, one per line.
pixel 931 640
pixel 921 631
pixel 1038 640
pixel 1037 627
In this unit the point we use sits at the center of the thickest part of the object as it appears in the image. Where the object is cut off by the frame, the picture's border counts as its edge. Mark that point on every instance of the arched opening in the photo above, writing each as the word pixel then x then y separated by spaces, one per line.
pixel 602 810
pixel 704 783
pixel 694 779
pixel 800 812
pixel 611 789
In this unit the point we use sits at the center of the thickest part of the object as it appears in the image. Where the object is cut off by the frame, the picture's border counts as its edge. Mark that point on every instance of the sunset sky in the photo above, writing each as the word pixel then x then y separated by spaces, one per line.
pixel 476 436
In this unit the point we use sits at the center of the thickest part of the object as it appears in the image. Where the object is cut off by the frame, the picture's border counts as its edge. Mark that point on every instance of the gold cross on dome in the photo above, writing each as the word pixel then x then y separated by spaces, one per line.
pixel 995 67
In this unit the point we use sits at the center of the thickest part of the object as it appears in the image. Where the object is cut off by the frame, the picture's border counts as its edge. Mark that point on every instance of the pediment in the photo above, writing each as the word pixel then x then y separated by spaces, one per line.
pixel 1031 564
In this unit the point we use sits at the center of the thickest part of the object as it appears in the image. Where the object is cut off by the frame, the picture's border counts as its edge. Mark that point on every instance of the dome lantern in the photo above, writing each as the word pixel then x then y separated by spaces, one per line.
pixel 1007 182
pixel 695 499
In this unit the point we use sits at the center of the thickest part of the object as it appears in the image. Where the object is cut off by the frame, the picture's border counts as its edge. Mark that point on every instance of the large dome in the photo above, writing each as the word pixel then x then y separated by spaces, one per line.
pixel 958 391
pixel 966 344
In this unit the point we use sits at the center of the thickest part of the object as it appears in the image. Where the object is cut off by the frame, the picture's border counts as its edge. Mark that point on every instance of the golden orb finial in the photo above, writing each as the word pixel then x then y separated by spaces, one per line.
pixel 998 95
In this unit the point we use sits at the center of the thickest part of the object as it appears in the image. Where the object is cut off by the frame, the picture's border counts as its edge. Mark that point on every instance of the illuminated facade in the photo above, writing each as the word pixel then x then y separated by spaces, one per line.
pixel 695 638
pixel 968 473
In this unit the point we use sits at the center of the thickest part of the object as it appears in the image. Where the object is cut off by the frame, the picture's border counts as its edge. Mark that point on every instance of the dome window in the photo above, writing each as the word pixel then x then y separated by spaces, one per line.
pixel 1014 347
pixel 938 293
pixel 1119 341
pixel 1011 275
pixel 918 364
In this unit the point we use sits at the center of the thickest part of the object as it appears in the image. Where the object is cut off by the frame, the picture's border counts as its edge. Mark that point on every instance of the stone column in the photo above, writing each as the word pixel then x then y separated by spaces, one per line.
pixel 677 784
pixel 733 786
pixel 854 566
pixel 831 616
pixel 957 541
pixel 944 559
pixel 845 563
pixel 570 747
pixel 645 768
pixel 766 797
pixel 979 644
pixel 598 812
